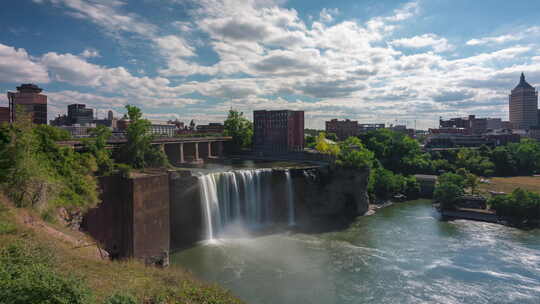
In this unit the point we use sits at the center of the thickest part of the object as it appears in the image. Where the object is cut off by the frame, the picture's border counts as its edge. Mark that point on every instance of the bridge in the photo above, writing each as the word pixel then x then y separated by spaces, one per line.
pixel 179 150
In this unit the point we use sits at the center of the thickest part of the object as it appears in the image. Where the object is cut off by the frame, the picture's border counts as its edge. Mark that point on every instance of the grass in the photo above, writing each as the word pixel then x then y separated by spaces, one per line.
pixel 508 184
pixel 105 278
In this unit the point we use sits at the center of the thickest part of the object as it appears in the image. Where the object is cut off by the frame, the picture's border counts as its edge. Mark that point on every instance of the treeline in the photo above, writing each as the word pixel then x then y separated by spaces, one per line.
pixel 37 172
pixel 395 157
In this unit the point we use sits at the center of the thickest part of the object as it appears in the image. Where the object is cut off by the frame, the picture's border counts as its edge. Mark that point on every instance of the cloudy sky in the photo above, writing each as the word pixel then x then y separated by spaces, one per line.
pixel 369 60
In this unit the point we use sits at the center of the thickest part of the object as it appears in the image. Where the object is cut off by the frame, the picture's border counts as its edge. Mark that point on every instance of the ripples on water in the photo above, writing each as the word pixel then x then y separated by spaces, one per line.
pixel 403 254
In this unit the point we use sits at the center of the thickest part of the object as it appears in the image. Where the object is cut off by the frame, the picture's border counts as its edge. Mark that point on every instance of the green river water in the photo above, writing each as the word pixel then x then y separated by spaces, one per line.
pixel 402 254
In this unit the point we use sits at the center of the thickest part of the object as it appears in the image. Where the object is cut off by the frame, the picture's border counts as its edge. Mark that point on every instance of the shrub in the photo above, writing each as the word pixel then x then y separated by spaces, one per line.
pixel 27 277
pixel 520 204
pixel 121 298
pixel 447 194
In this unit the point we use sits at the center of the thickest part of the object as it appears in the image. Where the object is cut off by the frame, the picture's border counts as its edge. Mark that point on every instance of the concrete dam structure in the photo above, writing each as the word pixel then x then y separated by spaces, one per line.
pixel 148 215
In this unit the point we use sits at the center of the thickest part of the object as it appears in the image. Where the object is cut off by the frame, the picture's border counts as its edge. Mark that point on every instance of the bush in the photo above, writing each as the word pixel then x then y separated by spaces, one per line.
pixel 447 194
pixel 121 298
pixel 520 204
pixel 27 277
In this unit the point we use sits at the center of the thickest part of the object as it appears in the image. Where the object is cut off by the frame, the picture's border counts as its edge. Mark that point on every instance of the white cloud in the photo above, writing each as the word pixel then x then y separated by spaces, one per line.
pixel 426 40
pixel 90 53
pixel 519 35
pixel 17 66
pixel 327 14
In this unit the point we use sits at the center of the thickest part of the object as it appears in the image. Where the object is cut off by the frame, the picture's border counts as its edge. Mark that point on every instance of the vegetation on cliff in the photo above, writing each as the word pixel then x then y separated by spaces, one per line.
pixel 37 266
pixel 520 205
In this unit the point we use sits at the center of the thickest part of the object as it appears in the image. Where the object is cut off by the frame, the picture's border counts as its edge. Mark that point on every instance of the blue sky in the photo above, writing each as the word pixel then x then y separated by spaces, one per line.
pixel 368 60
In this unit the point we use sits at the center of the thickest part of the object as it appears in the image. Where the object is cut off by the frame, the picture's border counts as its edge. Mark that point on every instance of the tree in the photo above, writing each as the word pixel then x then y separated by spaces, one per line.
pixel 138 152
pixel 447 194
pixel 239 128
pixel 353 154
pixel 324 146
pixel 96 145
pixel 332 136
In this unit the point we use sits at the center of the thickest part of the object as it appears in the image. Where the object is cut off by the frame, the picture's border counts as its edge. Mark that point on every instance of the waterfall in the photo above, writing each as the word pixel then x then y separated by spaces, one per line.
pixel 243 195
pixel 290 199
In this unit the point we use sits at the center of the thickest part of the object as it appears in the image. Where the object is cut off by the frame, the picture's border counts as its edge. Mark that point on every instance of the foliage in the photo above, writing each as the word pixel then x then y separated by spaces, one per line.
pixel 26 276
pixel 324 146
pixel 384 184
pixel 520 204
pixel 121 298
pixel 475 162
pixel 447 194
pixel 96 145
pixel 353 154
pixel 239 128
pixel 310 141
pixel 332 136
pixel 397 152
pixel 138 152
pixel 34 170
pixel 452 178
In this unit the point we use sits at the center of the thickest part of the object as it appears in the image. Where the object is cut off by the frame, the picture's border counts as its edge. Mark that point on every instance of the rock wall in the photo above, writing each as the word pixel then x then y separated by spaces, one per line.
pixel 331 192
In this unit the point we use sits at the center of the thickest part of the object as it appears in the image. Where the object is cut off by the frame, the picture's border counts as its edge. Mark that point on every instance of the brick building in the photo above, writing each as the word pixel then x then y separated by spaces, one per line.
pixel 278 131
pixel 343 128
pixel 213 127
pixel 363 128
pixel 4 115
pixel 29 99
pixel 523 105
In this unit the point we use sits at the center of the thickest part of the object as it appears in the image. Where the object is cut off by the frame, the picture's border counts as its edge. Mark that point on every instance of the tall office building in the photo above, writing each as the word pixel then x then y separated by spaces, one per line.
pixel 29 99
pixel 278 131
pixel 80 114
pixel 523 105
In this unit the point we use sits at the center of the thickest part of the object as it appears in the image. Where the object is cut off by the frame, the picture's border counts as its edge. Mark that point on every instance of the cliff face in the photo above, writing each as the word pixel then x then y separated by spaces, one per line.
pixel 331 192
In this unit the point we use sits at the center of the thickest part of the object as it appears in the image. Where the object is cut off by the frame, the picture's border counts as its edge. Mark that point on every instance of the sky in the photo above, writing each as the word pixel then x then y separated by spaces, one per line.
pixel 375 61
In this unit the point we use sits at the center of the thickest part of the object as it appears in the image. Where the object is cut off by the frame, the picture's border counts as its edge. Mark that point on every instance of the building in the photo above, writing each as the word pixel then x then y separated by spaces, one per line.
pixel 28 98
pixel 403 129
pixel 363 128
pixel 471 123
pixel 80 114
pixel 534 133
pixel 78 131
pixel 278 131
pixel 343 129
pixel 523 105
pixel 494 123
pixel 163 129
pixel 4 115
pixel 213 128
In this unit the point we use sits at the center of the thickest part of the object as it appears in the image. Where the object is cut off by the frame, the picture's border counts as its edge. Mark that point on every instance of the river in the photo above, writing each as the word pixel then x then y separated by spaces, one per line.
pixel 402 254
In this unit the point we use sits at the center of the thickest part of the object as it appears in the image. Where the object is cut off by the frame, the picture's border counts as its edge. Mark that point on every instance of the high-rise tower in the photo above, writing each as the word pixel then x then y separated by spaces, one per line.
pixel 28 99
pixel 523 105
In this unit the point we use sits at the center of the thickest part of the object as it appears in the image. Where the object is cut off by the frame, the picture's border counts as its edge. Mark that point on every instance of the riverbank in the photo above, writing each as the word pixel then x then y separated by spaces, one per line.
pixel 73 255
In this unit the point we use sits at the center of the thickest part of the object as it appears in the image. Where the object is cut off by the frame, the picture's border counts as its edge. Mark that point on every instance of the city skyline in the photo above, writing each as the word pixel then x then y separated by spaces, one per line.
pixel 375 62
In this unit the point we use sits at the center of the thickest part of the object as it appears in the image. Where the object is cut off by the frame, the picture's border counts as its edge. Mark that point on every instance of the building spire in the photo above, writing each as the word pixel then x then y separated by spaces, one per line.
pixel 522 79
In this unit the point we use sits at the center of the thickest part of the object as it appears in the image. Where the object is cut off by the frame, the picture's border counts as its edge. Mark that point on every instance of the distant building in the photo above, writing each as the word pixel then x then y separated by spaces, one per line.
pixel 29 99
pixel 403 129
pixel 162 129
pixel 78 131
pixel 80 114
pixel 342 128
pixel 4 115
pixel 523 105
pixel 278 131
pixel 60 120
pixel 363 128
pixel 471 123
pixel 534 133
pixel 213 127
pixel 506 125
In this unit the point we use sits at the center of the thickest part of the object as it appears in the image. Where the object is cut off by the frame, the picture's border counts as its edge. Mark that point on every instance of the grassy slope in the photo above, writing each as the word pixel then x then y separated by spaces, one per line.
pixel 508 184
pixel 105 277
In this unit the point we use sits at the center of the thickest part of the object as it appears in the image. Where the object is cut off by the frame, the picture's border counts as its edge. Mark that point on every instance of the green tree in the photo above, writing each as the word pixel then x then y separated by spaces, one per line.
pixel 324 146
pixel 353 154
pixel 447 194
pixel 240 129
pixel 139 152
pixel 96 145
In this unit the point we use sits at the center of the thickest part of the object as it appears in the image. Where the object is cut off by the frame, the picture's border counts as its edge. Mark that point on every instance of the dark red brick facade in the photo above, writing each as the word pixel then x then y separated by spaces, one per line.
pixel 278 131
pixel 29 99
pixel 343 129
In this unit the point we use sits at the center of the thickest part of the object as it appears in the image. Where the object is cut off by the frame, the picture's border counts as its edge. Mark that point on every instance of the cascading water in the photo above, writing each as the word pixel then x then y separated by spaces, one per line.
pixel 290 199
pixel 242 195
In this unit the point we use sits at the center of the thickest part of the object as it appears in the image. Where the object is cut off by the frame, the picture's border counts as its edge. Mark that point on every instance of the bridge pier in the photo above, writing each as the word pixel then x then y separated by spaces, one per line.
pixel 205 150
pixel 191 152
pixel 217 148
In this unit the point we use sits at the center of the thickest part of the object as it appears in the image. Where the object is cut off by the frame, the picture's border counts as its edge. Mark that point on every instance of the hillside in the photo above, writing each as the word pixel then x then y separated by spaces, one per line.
pixel 46 263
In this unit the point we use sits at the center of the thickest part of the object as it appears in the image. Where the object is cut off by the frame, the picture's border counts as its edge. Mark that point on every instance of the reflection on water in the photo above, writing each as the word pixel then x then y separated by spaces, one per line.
pixel 403 254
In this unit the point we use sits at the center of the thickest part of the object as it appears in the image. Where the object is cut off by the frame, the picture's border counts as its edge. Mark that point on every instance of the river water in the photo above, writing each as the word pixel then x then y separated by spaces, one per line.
pixel 402 254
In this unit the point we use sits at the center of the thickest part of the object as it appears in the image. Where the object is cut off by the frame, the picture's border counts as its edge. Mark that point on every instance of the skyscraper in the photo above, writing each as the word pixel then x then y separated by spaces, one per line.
pixel 29 99
pixel 523 105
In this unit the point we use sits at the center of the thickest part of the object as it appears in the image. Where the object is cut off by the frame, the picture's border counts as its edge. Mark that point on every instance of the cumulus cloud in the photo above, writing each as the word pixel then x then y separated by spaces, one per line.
pixel 90 53
pixel 17 66
pixel 327 15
